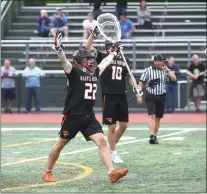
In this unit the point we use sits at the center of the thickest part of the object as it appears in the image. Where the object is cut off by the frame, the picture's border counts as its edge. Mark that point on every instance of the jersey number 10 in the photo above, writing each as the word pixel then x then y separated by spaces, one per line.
pixel 116 73
pixel 90 91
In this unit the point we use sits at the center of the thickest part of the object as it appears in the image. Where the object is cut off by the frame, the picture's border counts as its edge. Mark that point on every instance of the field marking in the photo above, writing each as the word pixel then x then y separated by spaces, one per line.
pixel 94 148
pixel 78 135
pixel 122 153
pixel 26 143
pixel 17 152
pixel 127 138
pixel 87 171
pixel 174 139
pixel 33 142
pixel 177 153
pixel 9 158
pixel 104 128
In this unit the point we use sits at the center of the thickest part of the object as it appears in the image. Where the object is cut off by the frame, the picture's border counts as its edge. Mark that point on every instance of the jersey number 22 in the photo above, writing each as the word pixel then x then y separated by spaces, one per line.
pixel 116 73
pixel 90 91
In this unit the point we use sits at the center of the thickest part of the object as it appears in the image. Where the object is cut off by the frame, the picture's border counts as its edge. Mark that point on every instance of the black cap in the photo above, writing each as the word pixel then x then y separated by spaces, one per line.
pixel 158 57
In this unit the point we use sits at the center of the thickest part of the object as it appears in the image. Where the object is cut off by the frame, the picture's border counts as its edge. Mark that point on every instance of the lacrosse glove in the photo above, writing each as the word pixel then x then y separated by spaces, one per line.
pixel 57 42
pixel 116 47
pixel 138 91
pixel 95 31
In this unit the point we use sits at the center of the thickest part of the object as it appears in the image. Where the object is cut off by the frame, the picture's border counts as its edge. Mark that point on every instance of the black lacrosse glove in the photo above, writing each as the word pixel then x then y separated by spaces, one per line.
pixel 116 47
pixel 57 42
pixel 95 31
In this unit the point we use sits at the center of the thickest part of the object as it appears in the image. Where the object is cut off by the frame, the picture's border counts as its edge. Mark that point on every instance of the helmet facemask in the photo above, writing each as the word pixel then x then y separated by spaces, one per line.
pixel 108 45
pixel 85 63
pixel 89 63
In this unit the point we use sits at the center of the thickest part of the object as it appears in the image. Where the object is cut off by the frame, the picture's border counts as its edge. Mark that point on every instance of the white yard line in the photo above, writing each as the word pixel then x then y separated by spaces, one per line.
pixel 104 128
pixel 174 139
pixel 17 152
pixel 123 153
pixel 93 148
pixel 177 153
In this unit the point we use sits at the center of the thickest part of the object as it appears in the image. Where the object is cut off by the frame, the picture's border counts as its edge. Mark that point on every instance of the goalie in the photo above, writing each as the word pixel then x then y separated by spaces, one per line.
pixel 114 98
pixel 78 111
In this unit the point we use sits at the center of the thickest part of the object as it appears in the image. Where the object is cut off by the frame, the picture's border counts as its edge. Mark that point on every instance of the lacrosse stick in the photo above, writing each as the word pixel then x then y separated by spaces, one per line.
pixel 109 27
pixel 151 84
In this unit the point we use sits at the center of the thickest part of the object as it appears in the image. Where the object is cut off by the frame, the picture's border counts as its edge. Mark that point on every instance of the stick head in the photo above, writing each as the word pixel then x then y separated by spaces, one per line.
pixel 109 27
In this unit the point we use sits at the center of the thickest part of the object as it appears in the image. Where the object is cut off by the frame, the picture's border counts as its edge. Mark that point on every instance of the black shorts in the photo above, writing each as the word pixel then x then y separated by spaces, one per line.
pixel 72 124
pixel 115 108
pixel 155 104
pixel 8 93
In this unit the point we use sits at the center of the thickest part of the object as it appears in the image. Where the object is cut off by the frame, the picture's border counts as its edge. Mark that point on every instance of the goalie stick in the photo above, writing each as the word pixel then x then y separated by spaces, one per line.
pixel 109 27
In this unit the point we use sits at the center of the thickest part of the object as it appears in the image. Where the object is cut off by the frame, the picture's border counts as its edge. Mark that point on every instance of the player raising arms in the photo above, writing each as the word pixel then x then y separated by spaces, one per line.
pixel 114 99
pixel 78 111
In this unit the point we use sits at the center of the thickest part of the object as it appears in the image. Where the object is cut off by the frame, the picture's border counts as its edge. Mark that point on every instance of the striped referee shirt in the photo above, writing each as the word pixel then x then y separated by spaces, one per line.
pixel 158 76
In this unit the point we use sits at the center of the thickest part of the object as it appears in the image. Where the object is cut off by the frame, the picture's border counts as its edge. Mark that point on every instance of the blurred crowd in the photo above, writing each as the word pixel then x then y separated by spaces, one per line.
pixel 32 77
pixel 47 26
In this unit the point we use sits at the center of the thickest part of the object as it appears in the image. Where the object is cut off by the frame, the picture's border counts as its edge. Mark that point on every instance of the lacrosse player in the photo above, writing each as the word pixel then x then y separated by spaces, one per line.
pixel 78 111
pixel 114 98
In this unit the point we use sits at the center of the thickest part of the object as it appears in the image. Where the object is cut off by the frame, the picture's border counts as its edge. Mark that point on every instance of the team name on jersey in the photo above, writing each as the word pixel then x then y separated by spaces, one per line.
pixel 116 62
pixel 88 78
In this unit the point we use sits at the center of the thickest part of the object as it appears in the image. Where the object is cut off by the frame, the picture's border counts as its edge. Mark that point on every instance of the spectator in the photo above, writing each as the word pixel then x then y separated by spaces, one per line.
pixel 121 7
pixel 8 85
pixel 59 22
pixel 88 24
pixel 171 87
pixel 96 7
pixel 144 16
pixel 32 75
pixel 127 27
pixel 43 24
pixel 196 71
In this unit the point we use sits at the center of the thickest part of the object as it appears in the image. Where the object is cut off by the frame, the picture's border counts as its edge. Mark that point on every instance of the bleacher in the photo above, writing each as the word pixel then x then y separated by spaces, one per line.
pixel 180 30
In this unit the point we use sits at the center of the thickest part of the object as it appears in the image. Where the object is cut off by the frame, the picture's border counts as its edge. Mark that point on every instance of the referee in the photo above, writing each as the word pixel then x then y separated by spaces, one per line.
pixel 155 93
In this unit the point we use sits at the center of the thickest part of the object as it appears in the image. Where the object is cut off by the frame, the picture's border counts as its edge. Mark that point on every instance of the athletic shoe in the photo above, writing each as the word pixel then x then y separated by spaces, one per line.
pixel 156 142
pixel 116 158
pixel 153 139
pixel 48 177
pixel 116 174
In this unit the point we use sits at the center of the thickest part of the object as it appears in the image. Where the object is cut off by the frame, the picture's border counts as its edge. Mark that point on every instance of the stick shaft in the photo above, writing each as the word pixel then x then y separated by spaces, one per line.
pixel 128 69
pixel 136 96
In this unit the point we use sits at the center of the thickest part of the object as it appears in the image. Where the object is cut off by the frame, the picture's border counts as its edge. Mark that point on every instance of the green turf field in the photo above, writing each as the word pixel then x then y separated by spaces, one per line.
pixel 176 165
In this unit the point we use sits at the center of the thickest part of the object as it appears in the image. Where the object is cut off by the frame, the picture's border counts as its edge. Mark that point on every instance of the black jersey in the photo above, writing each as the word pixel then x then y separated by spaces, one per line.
pixel 81 94
pixel 113 79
